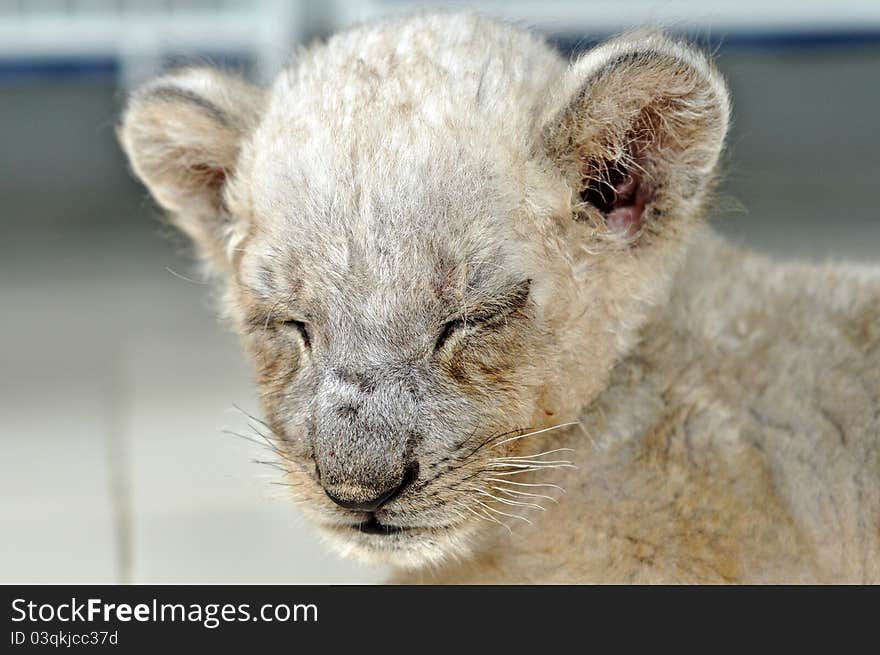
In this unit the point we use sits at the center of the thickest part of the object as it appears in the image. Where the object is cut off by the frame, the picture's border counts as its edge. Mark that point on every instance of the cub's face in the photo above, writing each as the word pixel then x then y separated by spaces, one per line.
pixel 401 319
pixel 427 300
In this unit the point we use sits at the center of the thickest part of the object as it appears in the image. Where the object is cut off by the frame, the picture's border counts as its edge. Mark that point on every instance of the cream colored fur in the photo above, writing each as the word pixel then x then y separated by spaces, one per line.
pixel 737 442
pixel 472 272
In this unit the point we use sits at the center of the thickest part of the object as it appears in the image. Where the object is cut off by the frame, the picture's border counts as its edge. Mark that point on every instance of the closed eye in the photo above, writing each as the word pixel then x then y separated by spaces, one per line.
pixel 300 327
pixel 487 312
pixel 447 331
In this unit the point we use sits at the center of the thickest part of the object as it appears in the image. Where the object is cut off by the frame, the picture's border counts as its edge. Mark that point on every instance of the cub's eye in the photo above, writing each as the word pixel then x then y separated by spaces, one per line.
pixel 300 327
pixel 447 331
pixel 488 314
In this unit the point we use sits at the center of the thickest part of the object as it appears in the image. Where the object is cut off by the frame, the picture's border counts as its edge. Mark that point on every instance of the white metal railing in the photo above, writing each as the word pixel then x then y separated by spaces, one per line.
pixel 139 33
pixel 604 16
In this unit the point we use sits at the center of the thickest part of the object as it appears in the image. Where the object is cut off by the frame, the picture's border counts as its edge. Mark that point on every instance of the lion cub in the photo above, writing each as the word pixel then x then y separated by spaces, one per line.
pixel 472 275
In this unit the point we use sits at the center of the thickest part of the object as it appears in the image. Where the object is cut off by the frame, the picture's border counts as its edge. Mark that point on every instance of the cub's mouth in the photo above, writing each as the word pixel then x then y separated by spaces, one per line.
pixel 375 541
pixel 373 526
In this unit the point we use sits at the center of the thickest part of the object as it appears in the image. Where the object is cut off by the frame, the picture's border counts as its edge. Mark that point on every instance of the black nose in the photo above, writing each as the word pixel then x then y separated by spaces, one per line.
pixel 386 496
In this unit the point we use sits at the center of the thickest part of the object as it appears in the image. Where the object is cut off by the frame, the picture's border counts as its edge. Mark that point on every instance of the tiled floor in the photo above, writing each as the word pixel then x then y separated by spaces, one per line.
pixel 116 379
pixel 117 382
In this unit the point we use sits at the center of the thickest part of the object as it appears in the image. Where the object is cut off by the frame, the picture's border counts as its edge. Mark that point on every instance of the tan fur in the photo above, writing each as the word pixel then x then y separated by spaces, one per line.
pixel 464 267
pixel 738 442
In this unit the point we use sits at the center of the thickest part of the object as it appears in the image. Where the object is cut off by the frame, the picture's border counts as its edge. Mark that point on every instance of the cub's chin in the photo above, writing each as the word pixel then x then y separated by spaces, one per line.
pixel 409 548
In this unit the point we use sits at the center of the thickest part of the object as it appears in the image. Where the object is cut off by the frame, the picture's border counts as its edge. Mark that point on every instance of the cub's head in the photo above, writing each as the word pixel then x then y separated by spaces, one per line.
pixel 430 270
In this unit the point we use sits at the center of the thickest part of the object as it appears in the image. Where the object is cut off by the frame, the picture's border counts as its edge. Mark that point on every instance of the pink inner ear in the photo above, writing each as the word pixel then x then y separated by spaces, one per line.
pixel 630 198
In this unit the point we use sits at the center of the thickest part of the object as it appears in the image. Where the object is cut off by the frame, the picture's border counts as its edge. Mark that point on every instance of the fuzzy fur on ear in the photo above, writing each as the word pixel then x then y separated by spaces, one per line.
pixel 641 127
pixel 183 133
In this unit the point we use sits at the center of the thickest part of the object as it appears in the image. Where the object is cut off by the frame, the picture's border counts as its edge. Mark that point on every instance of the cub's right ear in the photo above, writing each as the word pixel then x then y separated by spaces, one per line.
pixel 183 134
pixel 638 135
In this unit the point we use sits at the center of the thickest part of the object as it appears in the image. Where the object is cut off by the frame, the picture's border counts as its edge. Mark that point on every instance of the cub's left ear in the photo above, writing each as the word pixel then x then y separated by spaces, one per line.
pixel 638 134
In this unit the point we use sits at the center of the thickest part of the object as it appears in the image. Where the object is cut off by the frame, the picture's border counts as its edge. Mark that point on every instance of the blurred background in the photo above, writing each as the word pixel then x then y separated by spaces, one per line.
pixel 117 381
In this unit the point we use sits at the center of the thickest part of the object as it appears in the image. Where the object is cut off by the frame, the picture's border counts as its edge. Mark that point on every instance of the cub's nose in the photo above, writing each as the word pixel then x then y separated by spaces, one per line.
pixel 375 503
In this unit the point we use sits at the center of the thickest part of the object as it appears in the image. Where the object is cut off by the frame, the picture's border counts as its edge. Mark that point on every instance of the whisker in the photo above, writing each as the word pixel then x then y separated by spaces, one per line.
pixel 486 516
pixel 456 512
pixel 546 452
pixel 498 511
pixel 512 460
pixel 514 492
pixel 587 434
pixel 256 442
pixel 531 470
pixel 488 439
pixel 274 465
pixel 184 277
pixel 515 503
pixel 271 440
pixel 252 417
pixel 532 434
pixel 537 464
pixel 528 484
